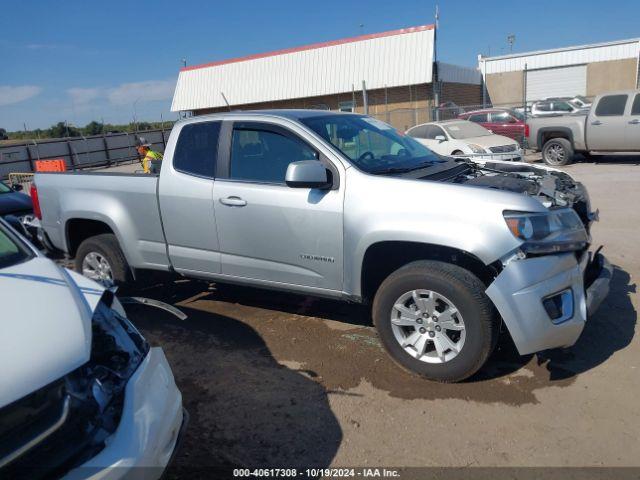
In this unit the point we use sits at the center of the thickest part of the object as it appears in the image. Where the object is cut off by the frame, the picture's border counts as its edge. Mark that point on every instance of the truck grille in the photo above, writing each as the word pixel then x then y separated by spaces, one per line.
pixel 503 149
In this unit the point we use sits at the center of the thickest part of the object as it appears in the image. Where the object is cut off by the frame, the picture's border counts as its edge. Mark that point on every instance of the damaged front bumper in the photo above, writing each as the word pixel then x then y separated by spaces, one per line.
pixel 151 425
pixel 545 301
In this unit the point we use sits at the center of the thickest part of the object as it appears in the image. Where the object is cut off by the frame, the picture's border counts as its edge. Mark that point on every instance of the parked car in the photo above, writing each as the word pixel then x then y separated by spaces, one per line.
pixel 343 206
pixel 579 101
pixel 554 107
pixel 611 126
pixel 501 121
pixel 462 137
pixel 449 110
pixel 14 203
pixel 81 392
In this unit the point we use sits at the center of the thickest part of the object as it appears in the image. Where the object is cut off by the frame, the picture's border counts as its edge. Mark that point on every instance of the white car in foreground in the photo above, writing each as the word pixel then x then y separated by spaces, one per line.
pixel 81 392
pixel 465 138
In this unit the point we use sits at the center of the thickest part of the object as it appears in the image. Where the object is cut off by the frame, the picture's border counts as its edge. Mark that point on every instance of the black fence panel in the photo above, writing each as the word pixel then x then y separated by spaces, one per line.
pixel 79 152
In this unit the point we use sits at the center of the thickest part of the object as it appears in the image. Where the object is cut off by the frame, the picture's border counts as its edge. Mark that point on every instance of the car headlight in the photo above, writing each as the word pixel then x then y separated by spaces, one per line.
pixel 548 232
pixel 116 343
pixel 476 148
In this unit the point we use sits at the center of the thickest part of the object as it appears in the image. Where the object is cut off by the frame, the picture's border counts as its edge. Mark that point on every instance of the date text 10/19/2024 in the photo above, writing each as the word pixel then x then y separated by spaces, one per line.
pixel 316 473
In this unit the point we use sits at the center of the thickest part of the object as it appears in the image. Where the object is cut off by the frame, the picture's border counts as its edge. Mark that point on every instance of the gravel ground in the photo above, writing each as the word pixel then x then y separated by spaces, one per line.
pixel 277 380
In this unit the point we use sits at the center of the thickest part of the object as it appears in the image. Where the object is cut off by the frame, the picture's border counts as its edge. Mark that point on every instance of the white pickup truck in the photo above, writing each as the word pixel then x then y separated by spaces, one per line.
pixel 344 206
pixel 612 125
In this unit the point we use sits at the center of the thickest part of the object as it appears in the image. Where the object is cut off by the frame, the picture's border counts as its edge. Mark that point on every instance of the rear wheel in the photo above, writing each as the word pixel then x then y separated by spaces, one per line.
pixel 435 320
pixel 100 258
pixel 557 152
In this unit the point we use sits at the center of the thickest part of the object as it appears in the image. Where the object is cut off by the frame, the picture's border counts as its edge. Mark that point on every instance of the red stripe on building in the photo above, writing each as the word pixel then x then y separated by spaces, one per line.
pixel 313 46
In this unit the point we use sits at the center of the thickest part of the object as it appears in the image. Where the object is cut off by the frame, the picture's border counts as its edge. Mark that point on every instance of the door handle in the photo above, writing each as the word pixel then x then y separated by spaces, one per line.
pixel 233 201
pixel 634 122
pixel 597 122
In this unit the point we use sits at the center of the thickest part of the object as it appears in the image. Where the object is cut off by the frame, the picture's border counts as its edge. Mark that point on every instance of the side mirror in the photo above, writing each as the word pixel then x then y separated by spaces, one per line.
pixel 307 174
pixel 441 138
pixel 17 187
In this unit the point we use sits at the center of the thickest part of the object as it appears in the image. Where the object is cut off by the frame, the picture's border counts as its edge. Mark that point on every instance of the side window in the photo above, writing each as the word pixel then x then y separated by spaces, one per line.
pixel 479 118
pixel 197 149
pixel 264 155
pixel 418 132
pixel 611 105
pixel 635 108
pixel 544 106
pixel 433 131
pixel 500 117
pixel 346 106
pixel 562 107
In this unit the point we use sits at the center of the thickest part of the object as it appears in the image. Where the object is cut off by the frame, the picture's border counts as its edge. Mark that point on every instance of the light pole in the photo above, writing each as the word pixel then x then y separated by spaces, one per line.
pixel 135 114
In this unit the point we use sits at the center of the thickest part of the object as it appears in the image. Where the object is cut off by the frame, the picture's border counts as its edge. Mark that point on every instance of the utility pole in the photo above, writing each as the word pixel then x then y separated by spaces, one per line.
pixel 135 115
pixel 434 66
pixel 365 99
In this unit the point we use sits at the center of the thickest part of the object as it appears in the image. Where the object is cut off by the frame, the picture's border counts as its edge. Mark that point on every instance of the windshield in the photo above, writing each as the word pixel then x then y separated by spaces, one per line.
pixel 11 250
pixel 4 188
pixel 461 130
pixel 372 145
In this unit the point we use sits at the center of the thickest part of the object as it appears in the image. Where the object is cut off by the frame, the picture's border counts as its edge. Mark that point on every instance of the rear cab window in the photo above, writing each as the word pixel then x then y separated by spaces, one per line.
pixel 611 106
pixel 479 118
pixel 197 149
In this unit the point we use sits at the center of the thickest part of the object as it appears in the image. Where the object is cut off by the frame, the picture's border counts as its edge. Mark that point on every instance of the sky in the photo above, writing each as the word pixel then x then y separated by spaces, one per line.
pixel 79 61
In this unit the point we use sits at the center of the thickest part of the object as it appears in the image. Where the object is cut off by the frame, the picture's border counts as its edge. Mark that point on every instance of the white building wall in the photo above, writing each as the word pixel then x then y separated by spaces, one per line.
pixel 391 59
pixel 561 57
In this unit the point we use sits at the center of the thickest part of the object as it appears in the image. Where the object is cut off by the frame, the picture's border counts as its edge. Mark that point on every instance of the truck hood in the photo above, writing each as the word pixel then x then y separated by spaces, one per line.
pixel 46 325
pixel 14 202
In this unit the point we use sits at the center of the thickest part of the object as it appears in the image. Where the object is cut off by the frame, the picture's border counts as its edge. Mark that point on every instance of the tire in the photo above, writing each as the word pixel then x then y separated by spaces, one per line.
pixel 457 152
pixel 460 288
pixel 557 152
pixel 104 246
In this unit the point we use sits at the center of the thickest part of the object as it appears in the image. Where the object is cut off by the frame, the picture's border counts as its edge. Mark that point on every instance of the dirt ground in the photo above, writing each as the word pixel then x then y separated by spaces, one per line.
pixel 276 380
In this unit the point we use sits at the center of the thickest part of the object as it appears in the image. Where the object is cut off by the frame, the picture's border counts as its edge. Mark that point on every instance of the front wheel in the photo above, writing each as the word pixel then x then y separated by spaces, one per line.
pixel 434 319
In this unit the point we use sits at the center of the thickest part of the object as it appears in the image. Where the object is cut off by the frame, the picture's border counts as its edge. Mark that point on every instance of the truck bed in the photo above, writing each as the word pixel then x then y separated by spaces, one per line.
pixel 127 203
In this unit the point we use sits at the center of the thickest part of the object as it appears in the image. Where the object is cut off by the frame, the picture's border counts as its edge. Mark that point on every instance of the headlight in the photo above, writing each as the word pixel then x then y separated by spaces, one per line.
pixel 116 343
pixel 549 232
pixel 476 148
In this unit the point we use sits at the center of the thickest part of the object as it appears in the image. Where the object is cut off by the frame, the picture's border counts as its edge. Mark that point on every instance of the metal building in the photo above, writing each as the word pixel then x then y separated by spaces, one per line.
pixel 580 70
pixel 390 72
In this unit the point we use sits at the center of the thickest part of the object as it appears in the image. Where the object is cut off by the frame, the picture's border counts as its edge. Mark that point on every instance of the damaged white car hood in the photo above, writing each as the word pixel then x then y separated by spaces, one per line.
pixel 46 325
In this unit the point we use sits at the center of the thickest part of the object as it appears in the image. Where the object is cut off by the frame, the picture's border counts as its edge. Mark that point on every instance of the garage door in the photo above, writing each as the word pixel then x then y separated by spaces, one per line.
pixel 556 82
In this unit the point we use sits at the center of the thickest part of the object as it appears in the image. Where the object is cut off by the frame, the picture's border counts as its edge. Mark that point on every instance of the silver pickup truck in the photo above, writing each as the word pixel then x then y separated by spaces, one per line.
pixel 612 125
pixel 344 206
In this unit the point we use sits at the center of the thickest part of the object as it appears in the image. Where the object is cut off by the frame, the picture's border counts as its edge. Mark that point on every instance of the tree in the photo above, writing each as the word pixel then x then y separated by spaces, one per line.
pixel 93 128
pixel 62 130
pixel 3 134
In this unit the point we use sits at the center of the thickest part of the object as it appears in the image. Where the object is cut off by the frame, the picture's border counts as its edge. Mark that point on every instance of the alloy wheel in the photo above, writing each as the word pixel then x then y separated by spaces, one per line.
pixel 96 267
pixel 428 326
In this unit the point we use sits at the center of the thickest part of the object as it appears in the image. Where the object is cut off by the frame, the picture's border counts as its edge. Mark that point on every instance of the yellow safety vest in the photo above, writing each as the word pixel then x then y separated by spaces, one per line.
pixel 146 161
